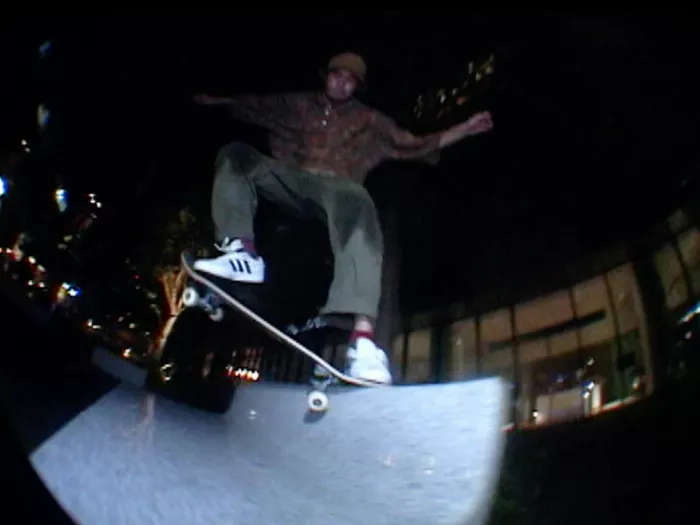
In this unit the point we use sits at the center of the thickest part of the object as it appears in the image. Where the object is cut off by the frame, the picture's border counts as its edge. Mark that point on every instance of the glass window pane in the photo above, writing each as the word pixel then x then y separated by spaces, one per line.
pixel 670 272
pixel 543 312
pixel 419 366
pixel 591 297
pixel 532 351
pixel 564 343
pixel 599 367
pixel 397 354
pixel 496 349
pixel 634 337
pixel 554 392
pixel 462 351
pixel 626 297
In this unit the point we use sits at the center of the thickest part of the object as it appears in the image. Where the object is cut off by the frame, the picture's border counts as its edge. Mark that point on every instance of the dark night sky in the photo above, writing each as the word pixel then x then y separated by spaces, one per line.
pixel 595 118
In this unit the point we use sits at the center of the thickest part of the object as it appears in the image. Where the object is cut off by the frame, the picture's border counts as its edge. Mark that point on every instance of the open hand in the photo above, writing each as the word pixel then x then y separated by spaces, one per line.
pixel 478 123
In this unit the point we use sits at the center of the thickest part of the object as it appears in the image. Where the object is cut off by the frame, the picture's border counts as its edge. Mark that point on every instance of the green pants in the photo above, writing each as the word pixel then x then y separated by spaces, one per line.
pixel 355 235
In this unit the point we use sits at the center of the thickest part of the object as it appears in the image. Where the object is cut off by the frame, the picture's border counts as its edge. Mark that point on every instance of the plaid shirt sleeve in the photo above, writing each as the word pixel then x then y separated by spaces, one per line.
pixel 268 111
pixel 396 143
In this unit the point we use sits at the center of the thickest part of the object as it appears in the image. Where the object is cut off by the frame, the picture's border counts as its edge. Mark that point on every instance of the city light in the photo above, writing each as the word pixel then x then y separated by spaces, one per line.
pixel 92 325
pixel 93 200
pixel 61 199
pixel 71 290
pixel 443 101
pixel 3 186
pixel 243 373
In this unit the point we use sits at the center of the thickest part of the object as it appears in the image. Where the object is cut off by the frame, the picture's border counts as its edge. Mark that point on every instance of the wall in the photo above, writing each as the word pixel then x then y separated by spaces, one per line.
pixel 594 330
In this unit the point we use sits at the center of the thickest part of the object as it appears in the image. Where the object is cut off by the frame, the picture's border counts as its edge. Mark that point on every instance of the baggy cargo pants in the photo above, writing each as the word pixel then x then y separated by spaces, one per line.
pixel 243 173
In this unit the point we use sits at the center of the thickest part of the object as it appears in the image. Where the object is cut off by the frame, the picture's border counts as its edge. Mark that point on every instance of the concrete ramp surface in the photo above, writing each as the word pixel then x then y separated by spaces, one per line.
pixel 424 454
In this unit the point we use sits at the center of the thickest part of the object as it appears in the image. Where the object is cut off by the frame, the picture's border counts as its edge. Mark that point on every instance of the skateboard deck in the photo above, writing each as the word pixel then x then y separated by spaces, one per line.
pixel 213 298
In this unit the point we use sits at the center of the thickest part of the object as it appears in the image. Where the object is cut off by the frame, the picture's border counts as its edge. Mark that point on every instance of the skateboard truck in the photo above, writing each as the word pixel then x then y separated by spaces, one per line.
pixel 320 381
pixel 209 303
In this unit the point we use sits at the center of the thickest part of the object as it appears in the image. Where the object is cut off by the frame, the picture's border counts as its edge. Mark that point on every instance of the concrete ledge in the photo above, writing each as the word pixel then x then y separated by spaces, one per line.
pixel 410 455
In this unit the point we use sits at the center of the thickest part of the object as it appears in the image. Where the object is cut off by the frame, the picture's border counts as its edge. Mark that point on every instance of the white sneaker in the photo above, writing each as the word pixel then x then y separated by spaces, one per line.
pixel 236 264
pixel 366 361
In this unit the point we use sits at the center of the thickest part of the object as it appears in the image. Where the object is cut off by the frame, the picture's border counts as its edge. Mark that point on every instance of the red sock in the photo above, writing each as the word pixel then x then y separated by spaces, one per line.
pixel 249 246
pixel 356 334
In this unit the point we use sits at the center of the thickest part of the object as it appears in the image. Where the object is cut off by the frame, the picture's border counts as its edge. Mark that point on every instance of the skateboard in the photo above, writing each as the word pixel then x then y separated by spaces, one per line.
pixel 203 293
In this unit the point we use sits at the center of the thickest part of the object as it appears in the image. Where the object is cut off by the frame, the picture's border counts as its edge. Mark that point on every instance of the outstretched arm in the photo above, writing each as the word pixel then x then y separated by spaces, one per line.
pixel 401 144
pixel 263 110
pixel 478 123
pixel 397 143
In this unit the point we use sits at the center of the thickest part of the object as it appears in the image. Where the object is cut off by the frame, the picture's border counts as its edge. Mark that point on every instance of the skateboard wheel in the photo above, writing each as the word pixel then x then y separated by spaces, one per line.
pixel 318 401
pixel 190 297
pixel 217 314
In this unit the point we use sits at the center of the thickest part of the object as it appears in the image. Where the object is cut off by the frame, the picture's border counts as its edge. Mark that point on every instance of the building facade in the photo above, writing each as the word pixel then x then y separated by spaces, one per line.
pixel 600 333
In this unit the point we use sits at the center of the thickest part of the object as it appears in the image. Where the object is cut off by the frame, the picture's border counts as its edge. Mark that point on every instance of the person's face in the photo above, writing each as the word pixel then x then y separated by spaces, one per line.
pixel 340 85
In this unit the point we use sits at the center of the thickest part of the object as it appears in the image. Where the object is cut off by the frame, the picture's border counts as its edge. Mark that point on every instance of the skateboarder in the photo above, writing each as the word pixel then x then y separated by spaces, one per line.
pixel 324 143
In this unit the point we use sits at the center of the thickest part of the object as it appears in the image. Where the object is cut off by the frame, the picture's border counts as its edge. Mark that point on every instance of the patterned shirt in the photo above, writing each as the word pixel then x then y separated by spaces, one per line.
pixel 345 140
